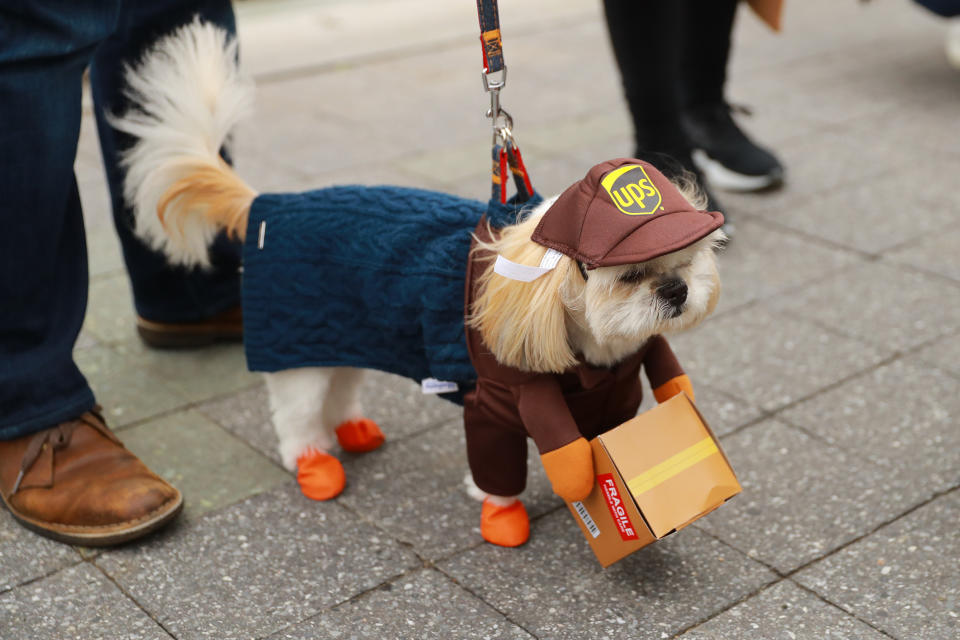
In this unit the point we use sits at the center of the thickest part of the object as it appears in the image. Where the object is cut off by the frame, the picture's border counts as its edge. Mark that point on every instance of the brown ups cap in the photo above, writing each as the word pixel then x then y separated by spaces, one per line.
pixel 624 211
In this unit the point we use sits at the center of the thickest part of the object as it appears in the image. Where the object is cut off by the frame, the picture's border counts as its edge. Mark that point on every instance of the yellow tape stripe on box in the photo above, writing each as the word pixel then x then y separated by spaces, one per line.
pixel 672 466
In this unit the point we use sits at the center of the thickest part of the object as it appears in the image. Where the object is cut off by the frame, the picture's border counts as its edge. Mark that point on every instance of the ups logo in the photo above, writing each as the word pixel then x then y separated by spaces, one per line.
pixel 631 190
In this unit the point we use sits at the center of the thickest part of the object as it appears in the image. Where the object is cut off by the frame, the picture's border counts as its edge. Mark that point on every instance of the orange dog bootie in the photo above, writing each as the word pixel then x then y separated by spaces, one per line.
pixel 320 475
pixel 359 436
pixel 504 526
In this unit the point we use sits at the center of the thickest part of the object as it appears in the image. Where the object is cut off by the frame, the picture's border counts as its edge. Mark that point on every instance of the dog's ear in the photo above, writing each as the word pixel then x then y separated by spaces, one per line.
pixel 524 323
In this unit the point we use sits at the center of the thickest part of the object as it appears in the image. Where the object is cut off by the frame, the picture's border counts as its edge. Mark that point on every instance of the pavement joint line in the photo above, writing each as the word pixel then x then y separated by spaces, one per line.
pixel 935 495
pixel 728 607
pixel 786 290
pixel 130 597
pixel 43 576
pixel 921 270
pixel 789 575
pixel 844 611
pixel 489 604
pixel 401 53
pixel 825 243
pixel 184 407
pixel 774 413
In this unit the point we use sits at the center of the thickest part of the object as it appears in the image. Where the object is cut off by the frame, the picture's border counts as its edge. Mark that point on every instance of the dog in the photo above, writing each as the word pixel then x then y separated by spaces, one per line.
pixel 565 301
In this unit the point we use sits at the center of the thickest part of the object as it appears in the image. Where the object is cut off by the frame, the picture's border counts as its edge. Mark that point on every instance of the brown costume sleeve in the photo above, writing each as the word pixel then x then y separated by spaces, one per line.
pixel 664 372
pixel 545 414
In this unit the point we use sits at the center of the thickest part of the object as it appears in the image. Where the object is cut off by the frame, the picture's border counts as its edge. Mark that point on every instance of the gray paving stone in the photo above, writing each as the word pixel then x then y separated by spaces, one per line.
pixel 902 415
pixel 722 411
pixel 103 252
pixel 415 491
pixel 246 415
pixel 421 606
pixel 578 132
pixel 878 214
pixel 784 612
pixel 395 403
pixel 924 135
pixel 825 161
pixel 208 465
pixel 85 341
pixel 25 556
pixel 78 602
pixel 886 305
pixel 195 374
pixel 903 579
pixel 769 359
pixel 937 253
pixel 801 498
pixel 95 201
pixel 554 587
pixel 257 567
pixel 944 353
pixel 127 390
pixel 110 316
pixel 761 262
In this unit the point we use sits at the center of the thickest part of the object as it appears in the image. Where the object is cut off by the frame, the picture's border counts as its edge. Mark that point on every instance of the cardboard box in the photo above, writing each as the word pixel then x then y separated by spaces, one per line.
pixel 656 474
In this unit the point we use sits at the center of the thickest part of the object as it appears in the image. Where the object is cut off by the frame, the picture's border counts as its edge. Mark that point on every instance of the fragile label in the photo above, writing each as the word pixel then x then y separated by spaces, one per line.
pixel 587 520
pixel 615 504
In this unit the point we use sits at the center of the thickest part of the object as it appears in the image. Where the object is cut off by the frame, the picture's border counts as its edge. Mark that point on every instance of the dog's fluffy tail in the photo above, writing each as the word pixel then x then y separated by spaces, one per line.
pixel 187 95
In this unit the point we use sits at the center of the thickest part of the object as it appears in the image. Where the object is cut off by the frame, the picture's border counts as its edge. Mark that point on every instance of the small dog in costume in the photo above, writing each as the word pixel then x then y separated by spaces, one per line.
pixel 537 319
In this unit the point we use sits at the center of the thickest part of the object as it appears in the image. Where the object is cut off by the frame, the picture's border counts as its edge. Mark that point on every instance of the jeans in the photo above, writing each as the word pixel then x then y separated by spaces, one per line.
pixel 44 48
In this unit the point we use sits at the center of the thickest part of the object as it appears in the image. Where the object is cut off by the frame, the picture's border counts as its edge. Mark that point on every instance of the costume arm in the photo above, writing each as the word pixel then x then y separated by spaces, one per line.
pixel 664 372
pixel 565 454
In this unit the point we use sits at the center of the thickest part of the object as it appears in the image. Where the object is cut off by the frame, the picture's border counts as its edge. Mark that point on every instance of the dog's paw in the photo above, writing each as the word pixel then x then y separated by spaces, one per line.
pixel 320 475
pixel 359 436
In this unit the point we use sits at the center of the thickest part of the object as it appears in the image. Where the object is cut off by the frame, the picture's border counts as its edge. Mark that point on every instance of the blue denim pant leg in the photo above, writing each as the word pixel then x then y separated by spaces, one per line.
pixel 161 292
pixel 44 48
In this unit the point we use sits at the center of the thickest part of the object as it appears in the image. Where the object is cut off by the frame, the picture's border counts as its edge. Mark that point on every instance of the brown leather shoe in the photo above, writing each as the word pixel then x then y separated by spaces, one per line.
pixel 77 483
pixel 227 325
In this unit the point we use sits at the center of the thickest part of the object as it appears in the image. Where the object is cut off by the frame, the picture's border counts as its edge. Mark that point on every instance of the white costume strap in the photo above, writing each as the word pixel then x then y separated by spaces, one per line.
pixel 526 273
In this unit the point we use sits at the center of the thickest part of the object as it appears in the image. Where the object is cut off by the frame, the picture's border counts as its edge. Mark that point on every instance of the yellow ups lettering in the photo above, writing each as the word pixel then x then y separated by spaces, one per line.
pixel 645 184
pixel 636 192
pixel 624 201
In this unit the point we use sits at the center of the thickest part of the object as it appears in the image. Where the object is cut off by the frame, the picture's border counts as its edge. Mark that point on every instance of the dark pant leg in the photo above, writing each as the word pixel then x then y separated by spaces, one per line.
pixel 44 48
pixel 161 292
pixel 497 456
pixel 647 39
pixel 707 28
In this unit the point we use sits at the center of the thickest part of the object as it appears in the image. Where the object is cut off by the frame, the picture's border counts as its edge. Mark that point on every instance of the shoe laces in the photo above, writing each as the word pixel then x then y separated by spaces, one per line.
pixel 58 438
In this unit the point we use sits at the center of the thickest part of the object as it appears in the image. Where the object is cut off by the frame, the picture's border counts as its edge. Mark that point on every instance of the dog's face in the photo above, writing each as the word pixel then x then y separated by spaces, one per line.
pixel 617 308
pixel 547 324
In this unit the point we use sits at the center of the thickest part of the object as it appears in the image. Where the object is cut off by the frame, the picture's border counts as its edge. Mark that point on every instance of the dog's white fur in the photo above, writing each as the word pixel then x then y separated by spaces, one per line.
pixel 190 94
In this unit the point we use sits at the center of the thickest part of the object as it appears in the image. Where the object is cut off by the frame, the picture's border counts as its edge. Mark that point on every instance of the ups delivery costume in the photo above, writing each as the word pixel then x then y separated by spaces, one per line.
pixel 383 277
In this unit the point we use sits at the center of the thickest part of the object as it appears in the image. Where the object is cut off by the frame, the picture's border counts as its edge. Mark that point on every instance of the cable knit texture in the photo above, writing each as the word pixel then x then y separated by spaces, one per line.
pixel 360 276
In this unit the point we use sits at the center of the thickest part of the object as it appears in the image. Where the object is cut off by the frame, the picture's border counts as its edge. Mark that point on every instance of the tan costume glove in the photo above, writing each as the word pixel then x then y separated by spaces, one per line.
pixel 570 469
pixel 672 387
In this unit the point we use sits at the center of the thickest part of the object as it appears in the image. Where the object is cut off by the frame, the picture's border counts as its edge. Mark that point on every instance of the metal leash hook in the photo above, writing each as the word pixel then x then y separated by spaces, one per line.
pixel 506 155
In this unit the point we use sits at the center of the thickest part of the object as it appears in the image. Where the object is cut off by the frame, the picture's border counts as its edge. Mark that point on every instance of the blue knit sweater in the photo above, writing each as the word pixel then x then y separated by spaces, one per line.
pixel 358 276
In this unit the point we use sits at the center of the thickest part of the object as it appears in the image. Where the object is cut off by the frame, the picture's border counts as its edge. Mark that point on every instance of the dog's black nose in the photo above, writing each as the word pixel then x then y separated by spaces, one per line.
pixel 673 290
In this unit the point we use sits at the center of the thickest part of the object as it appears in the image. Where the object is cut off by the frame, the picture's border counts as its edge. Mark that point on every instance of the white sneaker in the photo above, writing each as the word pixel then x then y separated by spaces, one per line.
pixel 953 43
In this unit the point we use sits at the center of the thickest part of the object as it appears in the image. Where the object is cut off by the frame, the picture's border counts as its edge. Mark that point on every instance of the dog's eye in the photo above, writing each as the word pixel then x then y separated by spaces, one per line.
pixel 634 276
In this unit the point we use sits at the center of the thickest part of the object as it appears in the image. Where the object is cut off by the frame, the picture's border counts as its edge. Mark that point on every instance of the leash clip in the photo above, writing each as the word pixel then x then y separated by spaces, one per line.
pixel 494 80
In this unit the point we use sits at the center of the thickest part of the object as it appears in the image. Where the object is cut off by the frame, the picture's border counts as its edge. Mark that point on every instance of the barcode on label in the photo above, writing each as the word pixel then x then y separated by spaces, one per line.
pixel 587 520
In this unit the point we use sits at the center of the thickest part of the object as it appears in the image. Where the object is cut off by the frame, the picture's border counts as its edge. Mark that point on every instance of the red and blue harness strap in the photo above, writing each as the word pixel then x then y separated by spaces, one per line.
pixel 490 35
pixel 506 154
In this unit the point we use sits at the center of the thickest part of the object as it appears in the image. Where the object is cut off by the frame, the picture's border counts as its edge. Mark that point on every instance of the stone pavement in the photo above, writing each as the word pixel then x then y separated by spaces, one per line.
pixel 830 369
